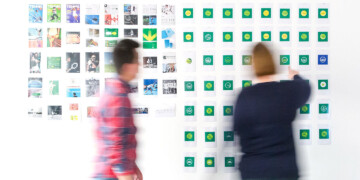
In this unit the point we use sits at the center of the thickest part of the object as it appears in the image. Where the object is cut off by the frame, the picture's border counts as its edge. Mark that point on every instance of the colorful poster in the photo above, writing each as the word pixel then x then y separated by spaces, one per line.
pixel 72 62
pixel 53 62
pixel 54 37
pixel 35 13
pixel 54 13
pixel 72 37
pixel 149 38
pixel 35 61
pixel 35 87
pixel 130 14
pixel 53 87
pixel 109 63
pixel 111 14
pixel 92 14
pixel 73 13
pixel 92 62
pixel 150 86
pixel 35 38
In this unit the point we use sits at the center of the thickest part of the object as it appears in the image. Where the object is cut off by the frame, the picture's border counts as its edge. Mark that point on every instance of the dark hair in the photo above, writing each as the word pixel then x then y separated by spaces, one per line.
pixel 263 60
pixel 124 53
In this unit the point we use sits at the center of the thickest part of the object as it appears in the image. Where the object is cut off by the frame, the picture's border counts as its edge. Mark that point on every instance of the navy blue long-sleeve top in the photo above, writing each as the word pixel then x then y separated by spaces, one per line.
pixel 263 117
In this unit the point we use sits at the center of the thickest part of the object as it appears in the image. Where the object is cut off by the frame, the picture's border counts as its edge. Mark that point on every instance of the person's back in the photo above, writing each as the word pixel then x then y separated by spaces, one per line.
pixel 263 116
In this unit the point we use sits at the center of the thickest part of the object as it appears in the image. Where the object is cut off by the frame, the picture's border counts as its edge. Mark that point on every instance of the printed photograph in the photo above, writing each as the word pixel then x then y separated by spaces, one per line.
pixel 73 13
pixel 91 111
pixel 149 14
pixel 73 88
pixel 168 14
pixel 92 87
pixel 35 112
pixel 72 37
pixel 72 62
pixel 53 62
pixel 111 14
pixel 141 110
pixel 130 14
pixel 54 13
pixel 130 33
pixel 169 63
pixel 92 14
pixel 169 86
pixel 54 37
pixel 35 87
pixel 35 61
pixel 150 62
pixel 134 87
pixel 35 38
pixel 53 87
pixel 92 43
pixel 109 63
pixel 54 112
pixel 168 37
pixel 35 13
pixel 150 86
pixel 92 62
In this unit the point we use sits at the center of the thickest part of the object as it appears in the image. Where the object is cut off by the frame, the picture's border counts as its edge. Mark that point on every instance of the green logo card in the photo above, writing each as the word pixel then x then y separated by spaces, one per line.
pixel 323 36
pixel 208 37
pixel 284 13
pixel 209 86
pixel 266 36
pixel 323 84
pixel 304 36
pixel 323 108
pixel 305 109
pixel 265 12
pixel 246 83
pixel 209 162
pixel 304 60
pixel 228 135
pixel 189 85
pixel 209 136
pixel 208 60
pixel 246 13
pixel 189 136
pixel 228 60
pixel 227 13
pixel 284 36
pixel 189 110
pixel 323 13
pixel 227 36
pixel 246 60
pixel 284 59
pixel 188 37
pixel 189 162
pixel 229 161
pixel 324 134
pixel 209 110
pixel 304 134
pixel 228 85
pixel 303 13
pixel 208 13
pixel 228 110
pixel 247 36
pixel 188 13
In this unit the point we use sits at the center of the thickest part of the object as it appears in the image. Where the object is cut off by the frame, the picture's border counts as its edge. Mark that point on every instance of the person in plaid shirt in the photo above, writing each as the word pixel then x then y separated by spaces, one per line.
pixel 115 127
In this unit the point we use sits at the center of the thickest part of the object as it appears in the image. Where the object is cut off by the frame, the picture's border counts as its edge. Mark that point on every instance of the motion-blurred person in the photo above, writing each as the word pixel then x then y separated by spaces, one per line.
pixel 263 116
pixel 115 126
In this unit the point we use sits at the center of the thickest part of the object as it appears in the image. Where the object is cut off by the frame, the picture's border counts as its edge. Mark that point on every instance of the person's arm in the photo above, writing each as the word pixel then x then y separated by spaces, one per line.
pixel 117 129
pixel 300 88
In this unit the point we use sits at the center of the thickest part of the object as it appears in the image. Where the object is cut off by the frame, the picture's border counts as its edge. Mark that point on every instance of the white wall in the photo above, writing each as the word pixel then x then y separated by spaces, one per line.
pixel 63 150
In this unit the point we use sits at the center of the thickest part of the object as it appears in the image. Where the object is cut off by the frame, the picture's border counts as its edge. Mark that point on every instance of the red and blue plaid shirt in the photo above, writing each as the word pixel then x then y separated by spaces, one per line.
pixel 115 132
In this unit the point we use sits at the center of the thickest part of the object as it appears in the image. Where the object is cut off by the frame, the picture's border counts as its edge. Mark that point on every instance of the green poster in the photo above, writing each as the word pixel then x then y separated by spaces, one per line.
pixel 247 36
pixel 149 38
pixel 229 161
pixel 209 86
pixel 323 84
pixel 54 13
pixel 189 85
pixel 54 62
pixel 208 60
pixel 304 36
pixel 188 37
pixel 228 135
pixel 189 110
pixel 209 162
pixel 227 36
pixel 284 59
pixel 246 13
pixel 305 109
pixel 54 87
pixel 228 110
pixel 208 13
pixel 208 37
pixel 323 108
pixel 110 43
pixel 228 85
pixel 111 32
pixel 284 13
pixel 227 13
pixel 228 60
pixel 266 36
pixel 323 13
pixel 304 60
pixel 323 36
pixel 324 134
pixel 189 161
pixel 304 134
pixel 209 110
pixel 265 12
pixel 189 136
pixel 209 136
pixel 303 13
pixel 188 13
pixel 284 36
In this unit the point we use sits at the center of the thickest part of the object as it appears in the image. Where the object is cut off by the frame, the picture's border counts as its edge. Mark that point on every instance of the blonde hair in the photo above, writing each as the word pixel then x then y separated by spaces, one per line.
pixel 263 60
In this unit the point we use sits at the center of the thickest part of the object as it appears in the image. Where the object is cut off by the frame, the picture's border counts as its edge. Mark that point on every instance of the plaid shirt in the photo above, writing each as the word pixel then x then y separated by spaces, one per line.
pixel 115 132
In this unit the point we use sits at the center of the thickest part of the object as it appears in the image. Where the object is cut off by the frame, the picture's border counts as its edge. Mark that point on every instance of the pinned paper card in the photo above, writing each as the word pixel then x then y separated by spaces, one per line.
pixel 190 162
pixel 210 137
pixel 209 110
pixel 190 138
pixel 210 162
pixel 190 111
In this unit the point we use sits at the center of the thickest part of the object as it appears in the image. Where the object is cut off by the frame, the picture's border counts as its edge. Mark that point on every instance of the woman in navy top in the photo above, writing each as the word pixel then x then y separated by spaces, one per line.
pixel 263 116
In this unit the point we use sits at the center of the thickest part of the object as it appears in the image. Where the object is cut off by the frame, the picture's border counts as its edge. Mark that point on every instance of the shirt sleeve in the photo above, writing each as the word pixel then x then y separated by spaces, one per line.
pixel 301 91
pixel 120 149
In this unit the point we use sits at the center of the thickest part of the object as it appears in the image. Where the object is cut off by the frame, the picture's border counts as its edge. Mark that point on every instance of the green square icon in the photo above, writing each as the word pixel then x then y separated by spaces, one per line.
pixel 209 162
pixel 229 161
pixel 284 59
pixel 246 13
pixel 189 110
pixel 265 12
pixel 188 37
pixel 208 13
pixel 246 83
pixel 208 60
pixel 305 109
pixel 323 108
pixel 209 86
pixel 228 60
pixel 246 60
pixel 189 85
pixel 246 36
pixel 303 13
pixel 188 13
pixel 304 60
pixel 304 36
pixel 228 110
pixel 284 36
pixel 228 85
pixel 324 134
pixel 227 13
pixel 228 135
pixel 323 36
pixel 208 37
pixel 189 136
pixel 284 13
pixel 323 84
pixel 266 36
pixel 227 36
pixel 209 110
pixel 304 134
pixel 323 13
pixel 189 161
pixel 209 136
